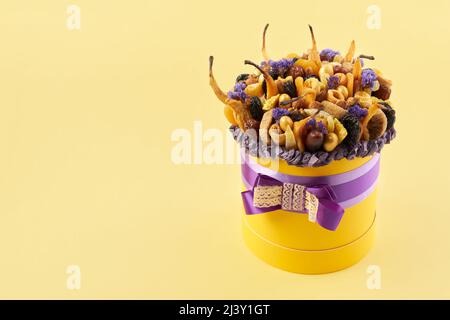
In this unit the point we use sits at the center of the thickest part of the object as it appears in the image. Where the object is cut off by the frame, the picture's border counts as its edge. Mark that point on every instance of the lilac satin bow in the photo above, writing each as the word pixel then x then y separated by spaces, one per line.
pixel 319 201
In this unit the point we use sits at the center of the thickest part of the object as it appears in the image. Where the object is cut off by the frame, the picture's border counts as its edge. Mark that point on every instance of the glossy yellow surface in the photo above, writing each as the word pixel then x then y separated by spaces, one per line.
pixel 309 261
pixel 295 244
pixel 293 230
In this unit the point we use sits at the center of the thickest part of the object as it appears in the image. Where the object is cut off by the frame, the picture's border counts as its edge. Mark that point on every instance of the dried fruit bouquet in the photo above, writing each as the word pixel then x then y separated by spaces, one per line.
pixel 310 109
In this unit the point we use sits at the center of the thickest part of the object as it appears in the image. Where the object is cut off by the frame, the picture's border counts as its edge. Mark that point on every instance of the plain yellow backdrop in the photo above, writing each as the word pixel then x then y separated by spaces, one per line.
pixel 86 176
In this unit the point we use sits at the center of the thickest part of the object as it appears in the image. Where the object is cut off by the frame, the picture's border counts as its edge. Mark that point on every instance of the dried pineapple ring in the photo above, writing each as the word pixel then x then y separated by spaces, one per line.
pixel 364 98
pixel 350 82
pixel 325 72
pixel 342 78
pixel 314 84
pixel 310 83
pixel 365 103
pixel 327 68
pixel 333 109
pixel 334 96
pixel 343 90
pixel 324 78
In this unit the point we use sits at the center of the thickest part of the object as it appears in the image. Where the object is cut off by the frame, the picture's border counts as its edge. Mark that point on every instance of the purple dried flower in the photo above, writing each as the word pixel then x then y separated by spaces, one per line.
pixel 279 67
pixel 328 54
pixel 277 113
pixel 333 82
pixel 238 93
pixel 368 78
pixel 357 111
pixel 311 123
pixel 322 128
pixel 240 86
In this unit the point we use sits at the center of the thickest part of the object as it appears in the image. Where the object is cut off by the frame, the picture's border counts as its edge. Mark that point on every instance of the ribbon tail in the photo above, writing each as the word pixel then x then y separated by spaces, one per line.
pixel 329 214
pixel 247 198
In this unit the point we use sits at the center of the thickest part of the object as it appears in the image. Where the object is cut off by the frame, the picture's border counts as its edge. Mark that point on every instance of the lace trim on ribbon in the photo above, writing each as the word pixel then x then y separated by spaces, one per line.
pixel 267 196
pixel 291 197
pixel 312 205
pixel 286 200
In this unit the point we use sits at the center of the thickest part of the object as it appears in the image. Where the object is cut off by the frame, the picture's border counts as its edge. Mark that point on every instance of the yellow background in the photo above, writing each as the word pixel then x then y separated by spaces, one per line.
pixel 86 176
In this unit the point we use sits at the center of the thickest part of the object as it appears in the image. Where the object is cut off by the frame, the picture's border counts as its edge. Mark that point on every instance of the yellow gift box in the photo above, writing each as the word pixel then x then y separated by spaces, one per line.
pixel 289 241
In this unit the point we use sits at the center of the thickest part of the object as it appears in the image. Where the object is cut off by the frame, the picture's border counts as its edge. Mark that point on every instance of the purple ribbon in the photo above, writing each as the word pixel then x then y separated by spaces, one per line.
pixel 334 192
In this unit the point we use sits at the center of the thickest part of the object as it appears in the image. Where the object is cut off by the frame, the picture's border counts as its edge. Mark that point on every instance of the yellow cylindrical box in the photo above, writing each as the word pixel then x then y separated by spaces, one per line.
pixel 287 240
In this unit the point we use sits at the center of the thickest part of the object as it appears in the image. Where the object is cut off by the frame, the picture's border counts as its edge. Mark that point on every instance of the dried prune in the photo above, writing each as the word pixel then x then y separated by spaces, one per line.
pixel 289 88
pixel 383 93
pixel 351 124
pixel 390 115
pixel 242 77
pixel 256 109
